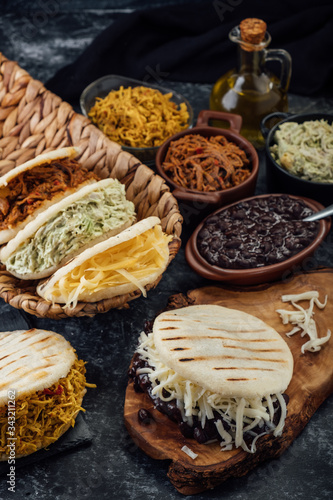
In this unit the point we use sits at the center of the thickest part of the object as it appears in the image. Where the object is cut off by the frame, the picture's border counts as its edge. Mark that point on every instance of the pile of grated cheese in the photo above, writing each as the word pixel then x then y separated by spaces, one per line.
pixel 242 414
pixel 303 319
pixel 132 261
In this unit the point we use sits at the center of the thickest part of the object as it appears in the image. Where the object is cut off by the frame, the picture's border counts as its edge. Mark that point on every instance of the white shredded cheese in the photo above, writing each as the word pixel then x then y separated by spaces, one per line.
pixel 189 452
pixel 303 319
pixel 241 414
pixel 279 428
pixel 226 437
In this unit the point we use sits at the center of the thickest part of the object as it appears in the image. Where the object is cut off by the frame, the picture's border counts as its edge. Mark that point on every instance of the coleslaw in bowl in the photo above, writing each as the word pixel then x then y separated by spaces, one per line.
pixel 300 148
pixel 305 149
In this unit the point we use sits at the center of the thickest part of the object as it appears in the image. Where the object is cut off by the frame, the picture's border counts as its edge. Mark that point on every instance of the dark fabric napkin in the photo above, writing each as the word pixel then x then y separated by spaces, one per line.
pixel 189 43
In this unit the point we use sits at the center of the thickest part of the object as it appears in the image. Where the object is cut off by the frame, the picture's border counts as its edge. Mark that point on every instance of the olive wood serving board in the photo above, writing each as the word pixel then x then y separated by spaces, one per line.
pixel 311 384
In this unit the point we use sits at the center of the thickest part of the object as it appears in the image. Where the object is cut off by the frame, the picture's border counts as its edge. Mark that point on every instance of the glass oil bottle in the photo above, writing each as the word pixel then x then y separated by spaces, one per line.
pixel 251 90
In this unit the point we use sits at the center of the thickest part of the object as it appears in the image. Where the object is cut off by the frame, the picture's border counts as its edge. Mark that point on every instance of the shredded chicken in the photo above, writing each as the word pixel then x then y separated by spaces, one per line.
pixel 42 416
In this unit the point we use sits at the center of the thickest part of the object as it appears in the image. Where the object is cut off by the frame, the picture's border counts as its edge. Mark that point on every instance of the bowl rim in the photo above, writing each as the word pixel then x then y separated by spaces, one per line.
pixel 202 267
pixel 270 138
pixel 233 135
pixel 164 90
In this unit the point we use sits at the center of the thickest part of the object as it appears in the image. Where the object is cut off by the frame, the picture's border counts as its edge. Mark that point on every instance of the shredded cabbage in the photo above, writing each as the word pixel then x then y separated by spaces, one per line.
pixel 72 228
pixel 305 149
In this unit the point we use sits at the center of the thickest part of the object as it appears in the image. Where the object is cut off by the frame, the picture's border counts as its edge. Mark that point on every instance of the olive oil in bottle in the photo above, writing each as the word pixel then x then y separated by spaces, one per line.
pixel 251 90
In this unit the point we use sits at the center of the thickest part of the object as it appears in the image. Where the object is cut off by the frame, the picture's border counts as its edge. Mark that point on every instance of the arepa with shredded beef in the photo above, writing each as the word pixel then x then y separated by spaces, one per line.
pixel 30 188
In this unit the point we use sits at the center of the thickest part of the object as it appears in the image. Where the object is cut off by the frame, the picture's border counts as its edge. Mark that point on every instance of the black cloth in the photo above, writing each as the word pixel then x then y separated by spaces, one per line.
pixel 189 43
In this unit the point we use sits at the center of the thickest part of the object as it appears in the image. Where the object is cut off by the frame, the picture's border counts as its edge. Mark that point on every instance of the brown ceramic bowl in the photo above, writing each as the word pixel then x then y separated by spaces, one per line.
pixel 213 199
pixel 281 270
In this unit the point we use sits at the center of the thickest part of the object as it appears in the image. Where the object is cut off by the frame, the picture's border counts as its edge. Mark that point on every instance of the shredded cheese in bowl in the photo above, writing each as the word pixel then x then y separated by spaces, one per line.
pixel 139 116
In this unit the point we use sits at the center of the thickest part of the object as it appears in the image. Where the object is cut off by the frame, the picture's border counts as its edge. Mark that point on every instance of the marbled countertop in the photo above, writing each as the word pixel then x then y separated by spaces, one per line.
pixel 112 466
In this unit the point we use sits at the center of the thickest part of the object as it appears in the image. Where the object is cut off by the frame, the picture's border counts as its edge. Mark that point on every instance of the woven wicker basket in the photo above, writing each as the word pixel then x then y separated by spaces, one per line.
pixel 34 120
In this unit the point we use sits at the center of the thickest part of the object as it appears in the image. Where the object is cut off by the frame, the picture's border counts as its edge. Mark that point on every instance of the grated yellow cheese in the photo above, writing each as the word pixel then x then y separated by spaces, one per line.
pixel 128 262
pixel 139 116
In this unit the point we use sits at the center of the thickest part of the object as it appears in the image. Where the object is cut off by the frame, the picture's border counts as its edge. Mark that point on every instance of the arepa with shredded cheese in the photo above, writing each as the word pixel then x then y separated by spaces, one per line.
pixel 224 350
pixel 124 263
pixel 218 365
pixel 42 384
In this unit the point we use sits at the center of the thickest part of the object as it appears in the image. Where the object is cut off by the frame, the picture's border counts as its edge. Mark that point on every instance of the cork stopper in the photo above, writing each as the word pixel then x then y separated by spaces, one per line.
pixel 253 30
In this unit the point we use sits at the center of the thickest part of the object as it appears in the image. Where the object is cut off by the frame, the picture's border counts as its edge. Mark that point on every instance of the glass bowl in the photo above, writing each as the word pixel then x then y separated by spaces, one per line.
pixel 104 85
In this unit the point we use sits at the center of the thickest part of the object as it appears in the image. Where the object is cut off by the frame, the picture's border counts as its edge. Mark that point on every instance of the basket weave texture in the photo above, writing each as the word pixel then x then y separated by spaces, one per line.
pixel 33 120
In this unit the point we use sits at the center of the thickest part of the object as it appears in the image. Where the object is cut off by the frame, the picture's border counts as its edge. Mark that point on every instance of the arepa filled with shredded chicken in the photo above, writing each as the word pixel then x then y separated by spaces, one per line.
pixel 42 384
pixel 220 373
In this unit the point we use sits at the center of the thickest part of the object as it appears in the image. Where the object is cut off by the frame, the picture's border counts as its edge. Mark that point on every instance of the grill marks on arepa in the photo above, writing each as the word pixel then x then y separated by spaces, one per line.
pixel 241 346
pixel 49 383
pixel 222 346
pixel 27 357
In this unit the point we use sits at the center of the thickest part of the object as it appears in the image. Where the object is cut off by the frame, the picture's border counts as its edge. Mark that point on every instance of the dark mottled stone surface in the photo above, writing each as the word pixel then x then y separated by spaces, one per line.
pixel 42 37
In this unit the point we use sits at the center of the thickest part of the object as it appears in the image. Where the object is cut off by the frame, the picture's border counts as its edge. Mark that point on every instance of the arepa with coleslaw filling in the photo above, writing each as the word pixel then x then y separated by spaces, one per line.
pixel 92 214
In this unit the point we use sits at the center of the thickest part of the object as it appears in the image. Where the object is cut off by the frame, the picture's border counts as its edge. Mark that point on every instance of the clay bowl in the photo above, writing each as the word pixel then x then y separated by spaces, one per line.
pixel 215 199
pixel 278 178
pixel 282 270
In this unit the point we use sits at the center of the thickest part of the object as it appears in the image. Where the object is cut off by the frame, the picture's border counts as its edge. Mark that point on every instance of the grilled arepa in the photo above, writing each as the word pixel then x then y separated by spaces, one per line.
pixel 42 384
pixel 219 372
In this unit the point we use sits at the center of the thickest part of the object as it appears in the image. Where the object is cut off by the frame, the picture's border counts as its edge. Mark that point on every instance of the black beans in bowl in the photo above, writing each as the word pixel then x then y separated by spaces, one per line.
pixel 256 233
pixel 256 240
